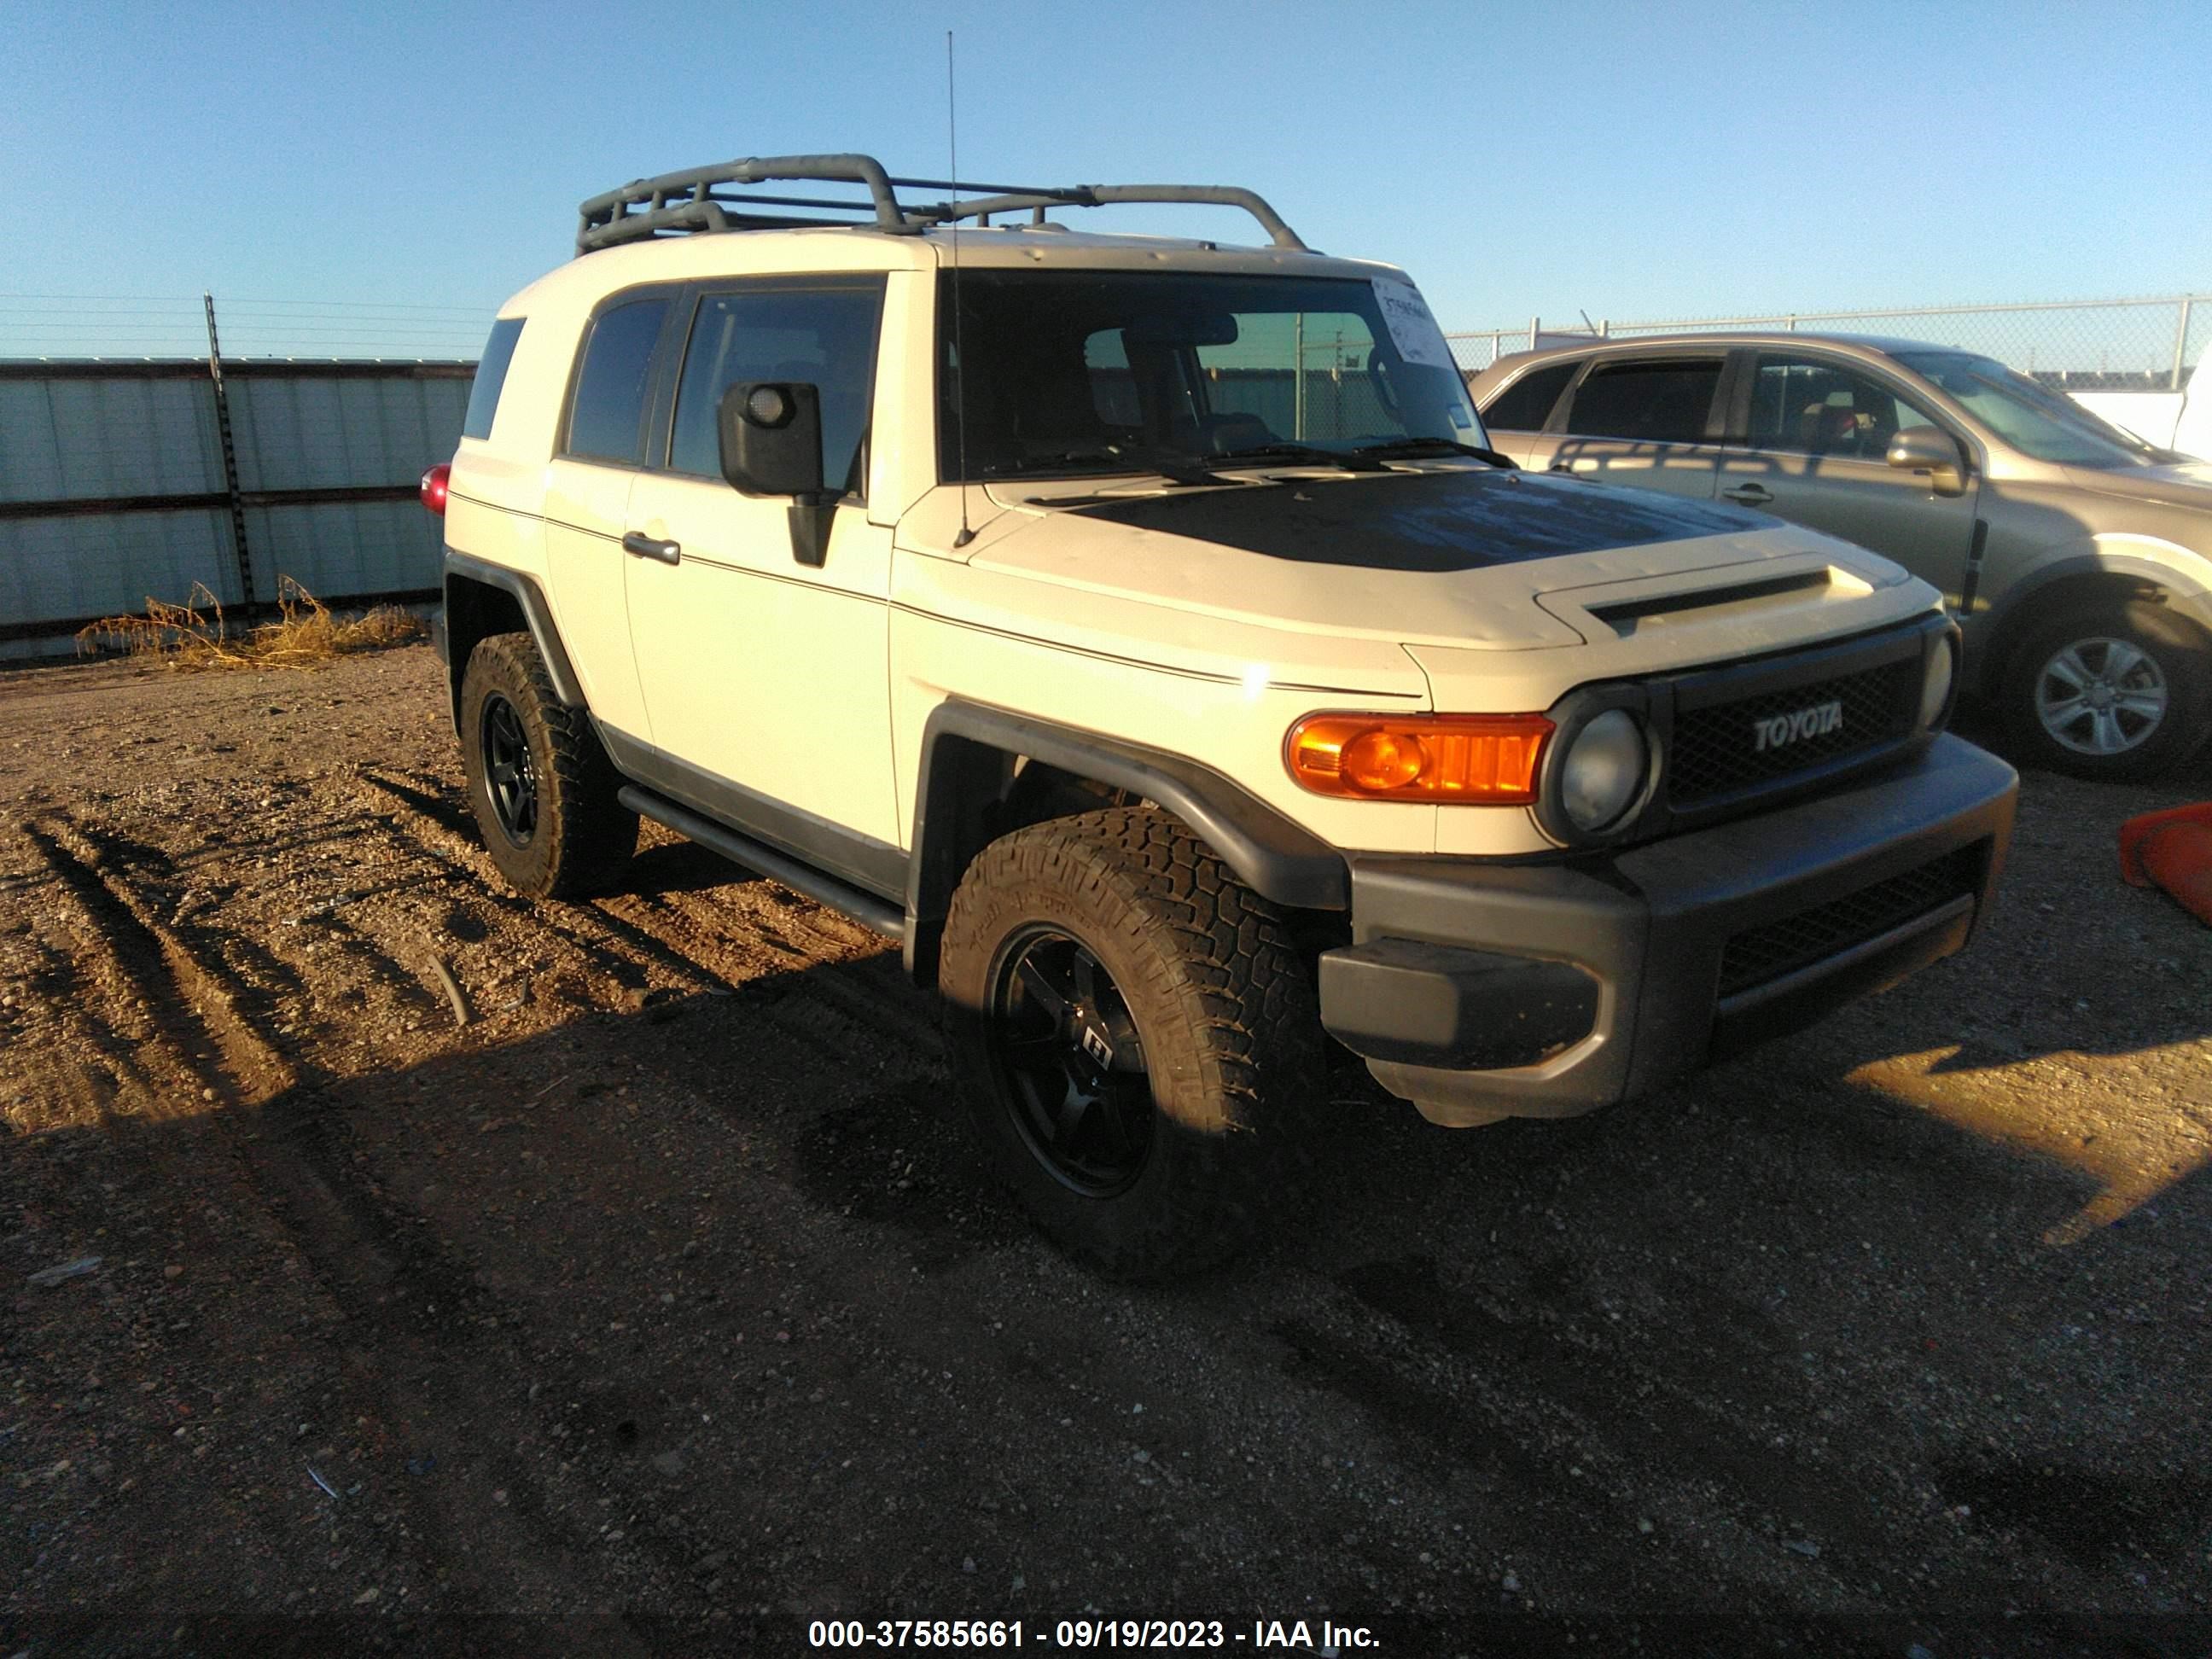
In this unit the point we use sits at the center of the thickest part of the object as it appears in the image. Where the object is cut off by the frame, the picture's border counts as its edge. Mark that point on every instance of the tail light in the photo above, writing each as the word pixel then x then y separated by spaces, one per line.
pixel 434 488
pixel 1488 760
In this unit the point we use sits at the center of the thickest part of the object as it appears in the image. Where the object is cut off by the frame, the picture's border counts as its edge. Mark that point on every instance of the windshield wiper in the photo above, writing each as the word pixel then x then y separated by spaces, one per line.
pixel 1307 454
pixel 1408 447
pixel 1173 464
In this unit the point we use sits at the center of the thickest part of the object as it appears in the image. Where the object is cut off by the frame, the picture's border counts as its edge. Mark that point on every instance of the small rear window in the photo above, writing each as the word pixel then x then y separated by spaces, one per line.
pixel 491 376
pixel 1525 404
pixel 606 413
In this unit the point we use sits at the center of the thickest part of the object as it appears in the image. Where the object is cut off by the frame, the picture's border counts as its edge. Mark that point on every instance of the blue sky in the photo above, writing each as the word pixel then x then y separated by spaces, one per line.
pixel 1633 160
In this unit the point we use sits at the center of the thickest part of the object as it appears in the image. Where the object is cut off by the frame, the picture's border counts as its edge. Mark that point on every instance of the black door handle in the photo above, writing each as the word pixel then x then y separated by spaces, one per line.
pixel 1750 495
pixel 646 547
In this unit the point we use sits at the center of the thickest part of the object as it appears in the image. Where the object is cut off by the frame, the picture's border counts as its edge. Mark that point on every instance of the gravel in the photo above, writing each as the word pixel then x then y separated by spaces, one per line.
pixel 674 1274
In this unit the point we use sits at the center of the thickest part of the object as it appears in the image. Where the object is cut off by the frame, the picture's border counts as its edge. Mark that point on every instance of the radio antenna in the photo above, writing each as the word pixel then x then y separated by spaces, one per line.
pixel 959 352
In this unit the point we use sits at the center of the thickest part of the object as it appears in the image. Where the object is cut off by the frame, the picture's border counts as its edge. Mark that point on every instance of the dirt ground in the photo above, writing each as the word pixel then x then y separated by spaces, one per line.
pixel 661 1306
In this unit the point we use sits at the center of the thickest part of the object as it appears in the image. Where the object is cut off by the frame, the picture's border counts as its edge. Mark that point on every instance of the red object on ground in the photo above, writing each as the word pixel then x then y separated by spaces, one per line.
pixel 2174 850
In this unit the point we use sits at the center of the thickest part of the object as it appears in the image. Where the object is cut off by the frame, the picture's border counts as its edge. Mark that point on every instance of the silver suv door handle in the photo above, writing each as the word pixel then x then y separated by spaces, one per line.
pixel 1750 495
pixel 647 548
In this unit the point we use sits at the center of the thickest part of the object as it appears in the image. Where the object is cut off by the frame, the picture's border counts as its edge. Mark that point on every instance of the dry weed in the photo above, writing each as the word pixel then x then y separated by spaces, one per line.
pixel 194 634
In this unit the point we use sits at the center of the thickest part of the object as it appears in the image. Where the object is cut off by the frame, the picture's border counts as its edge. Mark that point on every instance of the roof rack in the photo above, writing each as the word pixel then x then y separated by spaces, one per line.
pixel 696 200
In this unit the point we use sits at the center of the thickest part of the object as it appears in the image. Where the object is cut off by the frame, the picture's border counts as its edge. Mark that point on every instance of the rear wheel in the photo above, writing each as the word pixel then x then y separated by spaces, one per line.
pixel 2113 692
pixel 540 784
pixel 1135 1036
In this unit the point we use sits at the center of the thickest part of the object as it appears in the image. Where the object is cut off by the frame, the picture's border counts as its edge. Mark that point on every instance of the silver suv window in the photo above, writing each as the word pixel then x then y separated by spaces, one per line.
pixel 2032 418
pixel 1651 401
pixel 1525 404
pixel 1807 406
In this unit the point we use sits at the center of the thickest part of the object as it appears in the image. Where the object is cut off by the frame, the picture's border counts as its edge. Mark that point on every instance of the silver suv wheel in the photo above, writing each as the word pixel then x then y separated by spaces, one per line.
pixel 2100 696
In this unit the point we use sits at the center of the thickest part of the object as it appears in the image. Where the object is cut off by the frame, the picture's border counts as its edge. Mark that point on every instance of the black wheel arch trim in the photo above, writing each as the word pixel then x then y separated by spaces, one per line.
pixel 963 742
pixel 524 589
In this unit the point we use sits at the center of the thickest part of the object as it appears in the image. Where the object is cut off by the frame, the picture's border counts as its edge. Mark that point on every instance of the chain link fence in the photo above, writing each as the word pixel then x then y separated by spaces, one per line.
pixel 2078 345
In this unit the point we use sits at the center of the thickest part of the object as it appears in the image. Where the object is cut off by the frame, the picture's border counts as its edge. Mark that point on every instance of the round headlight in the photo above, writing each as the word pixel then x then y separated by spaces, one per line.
pixel 1935 682
pixel 1603 770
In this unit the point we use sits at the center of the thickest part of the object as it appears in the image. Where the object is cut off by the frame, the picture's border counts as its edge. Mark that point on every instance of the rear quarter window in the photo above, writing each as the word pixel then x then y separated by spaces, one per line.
pixel 491 376
pixel 1525 404
pixel 614 382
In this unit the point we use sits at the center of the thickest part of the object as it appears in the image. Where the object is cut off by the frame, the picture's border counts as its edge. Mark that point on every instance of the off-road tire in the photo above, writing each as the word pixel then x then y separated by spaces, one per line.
pixel 1230 1031
pixel 583 836
pixel 2179 652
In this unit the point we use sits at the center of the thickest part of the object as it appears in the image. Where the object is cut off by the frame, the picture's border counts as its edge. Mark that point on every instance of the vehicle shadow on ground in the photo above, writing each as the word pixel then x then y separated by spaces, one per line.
pixel 667 864
pixel 552 1267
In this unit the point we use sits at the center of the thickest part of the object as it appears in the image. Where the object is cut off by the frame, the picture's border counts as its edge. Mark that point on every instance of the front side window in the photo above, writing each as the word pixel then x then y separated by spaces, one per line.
pixel 1806 406
pixel 2033 419
pixel 606 414
pixel 1076 371
pixel 491 376
pixel 1663 402
pixel 824 333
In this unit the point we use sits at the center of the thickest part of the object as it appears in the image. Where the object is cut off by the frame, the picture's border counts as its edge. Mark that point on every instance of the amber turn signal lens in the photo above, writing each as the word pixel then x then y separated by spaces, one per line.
pixel 1487 760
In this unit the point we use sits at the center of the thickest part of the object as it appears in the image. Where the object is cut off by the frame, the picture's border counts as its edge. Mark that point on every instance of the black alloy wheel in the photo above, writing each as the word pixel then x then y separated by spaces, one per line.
pixel 510 776
pixel 1072 1063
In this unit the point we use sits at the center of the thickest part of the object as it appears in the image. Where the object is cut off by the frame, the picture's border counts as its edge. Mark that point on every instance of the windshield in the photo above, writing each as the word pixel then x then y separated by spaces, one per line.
pixel 1080 372
pixel 2030 417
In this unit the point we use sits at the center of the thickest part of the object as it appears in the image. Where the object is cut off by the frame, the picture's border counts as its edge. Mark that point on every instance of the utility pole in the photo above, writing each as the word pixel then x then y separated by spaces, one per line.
pixel 245 593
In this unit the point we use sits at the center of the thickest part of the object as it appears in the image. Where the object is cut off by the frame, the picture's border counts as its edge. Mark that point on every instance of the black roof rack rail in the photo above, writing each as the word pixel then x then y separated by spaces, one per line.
pixel 697 200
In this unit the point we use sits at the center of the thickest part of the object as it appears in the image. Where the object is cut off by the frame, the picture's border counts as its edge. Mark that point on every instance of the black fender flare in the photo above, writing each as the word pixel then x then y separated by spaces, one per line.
pixel 536 612
pixel 965 747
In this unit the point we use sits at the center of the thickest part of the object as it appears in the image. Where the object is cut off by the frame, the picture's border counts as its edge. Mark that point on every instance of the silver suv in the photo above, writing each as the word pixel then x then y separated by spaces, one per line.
pixel 2077 557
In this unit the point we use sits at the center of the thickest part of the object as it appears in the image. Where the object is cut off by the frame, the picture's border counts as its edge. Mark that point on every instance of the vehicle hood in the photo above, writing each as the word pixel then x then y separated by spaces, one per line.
pixel 1459 557
pixel 2178 483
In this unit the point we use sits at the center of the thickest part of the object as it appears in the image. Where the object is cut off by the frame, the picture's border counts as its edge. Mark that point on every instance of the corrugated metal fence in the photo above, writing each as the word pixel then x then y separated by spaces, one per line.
pixel 113 487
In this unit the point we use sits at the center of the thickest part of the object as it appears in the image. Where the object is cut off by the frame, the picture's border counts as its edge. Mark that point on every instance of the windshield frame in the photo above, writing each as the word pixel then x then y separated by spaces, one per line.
pixel 2113 448
pixel 1442 400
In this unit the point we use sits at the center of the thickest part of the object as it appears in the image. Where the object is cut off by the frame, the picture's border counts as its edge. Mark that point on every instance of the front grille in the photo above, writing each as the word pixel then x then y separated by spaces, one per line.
pixel 1782 947
pixel 1715 749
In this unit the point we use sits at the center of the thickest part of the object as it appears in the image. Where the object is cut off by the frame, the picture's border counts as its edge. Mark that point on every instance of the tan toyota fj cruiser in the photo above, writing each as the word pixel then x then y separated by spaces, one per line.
pixel 1144 633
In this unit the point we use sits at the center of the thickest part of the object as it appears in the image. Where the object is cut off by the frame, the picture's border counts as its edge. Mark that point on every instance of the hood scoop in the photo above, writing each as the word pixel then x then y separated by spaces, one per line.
pixel 1726 596
pixel 1627 617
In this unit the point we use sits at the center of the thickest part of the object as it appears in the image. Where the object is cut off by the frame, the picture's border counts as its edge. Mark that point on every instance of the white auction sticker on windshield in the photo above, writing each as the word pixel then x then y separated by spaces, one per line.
pixel 1413 330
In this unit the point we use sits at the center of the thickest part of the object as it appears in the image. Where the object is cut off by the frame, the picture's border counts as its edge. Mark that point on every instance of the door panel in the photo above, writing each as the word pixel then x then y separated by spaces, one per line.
pixel 586 509
pixel 768 680
pixel 1678 469
pixel 758 670
pixel 1818 432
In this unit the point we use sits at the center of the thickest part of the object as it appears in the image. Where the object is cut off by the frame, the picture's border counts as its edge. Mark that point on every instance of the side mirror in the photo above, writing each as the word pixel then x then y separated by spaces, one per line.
pixel 1933 451
pixel 771 433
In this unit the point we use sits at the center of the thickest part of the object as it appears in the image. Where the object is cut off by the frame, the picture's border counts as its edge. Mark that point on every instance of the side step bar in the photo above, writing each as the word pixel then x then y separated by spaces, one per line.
pixel 862 907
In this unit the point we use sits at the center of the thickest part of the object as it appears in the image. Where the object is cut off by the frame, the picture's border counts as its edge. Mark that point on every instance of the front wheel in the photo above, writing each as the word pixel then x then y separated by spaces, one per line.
pixel 2115 694
pixel 1135 1037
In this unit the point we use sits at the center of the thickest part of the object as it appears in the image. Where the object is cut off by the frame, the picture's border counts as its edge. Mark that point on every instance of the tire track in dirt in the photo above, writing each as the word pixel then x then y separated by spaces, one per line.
pixel 375 1267
pixel 189 1008
pixel 1576 1411
pixel 611 950
pixel 714 945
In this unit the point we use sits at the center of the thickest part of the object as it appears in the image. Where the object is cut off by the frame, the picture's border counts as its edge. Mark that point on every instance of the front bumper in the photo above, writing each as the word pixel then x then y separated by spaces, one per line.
pixel 1479 991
